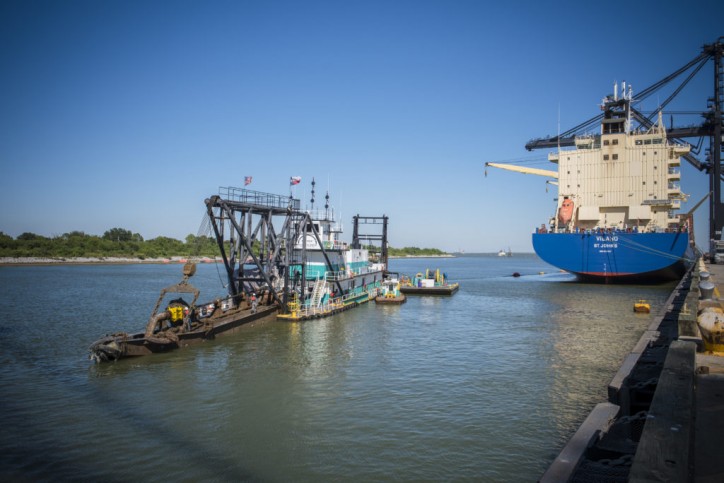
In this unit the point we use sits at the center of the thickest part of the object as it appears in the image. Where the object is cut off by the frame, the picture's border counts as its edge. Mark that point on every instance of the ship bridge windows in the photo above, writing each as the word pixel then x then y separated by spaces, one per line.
pixel 311 227
pixel 649 141
pixel 613 126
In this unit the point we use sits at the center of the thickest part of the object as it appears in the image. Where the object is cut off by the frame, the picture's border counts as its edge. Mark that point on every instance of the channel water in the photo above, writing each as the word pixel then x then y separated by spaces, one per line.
pixel 486 385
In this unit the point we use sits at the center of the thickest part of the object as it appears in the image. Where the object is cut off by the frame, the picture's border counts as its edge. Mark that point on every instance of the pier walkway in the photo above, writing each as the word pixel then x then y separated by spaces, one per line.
pixel 709 404
pixel 664 418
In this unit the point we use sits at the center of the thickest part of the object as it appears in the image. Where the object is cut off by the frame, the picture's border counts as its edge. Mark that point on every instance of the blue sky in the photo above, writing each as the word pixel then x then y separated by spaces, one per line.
pixel 130 113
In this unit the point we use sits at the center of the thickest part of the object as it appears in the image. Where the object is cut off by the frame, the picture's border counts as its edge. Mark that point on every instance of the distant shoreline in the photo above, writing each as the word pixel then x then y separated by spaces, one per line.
pixel 26 261
pixel 447 255
pixel 21 261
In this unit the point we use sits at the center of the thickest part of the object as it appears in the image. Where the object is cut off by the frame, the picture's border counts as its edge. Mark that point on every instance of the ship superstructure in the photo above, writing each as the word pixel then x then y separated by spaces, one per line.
pixel 622 180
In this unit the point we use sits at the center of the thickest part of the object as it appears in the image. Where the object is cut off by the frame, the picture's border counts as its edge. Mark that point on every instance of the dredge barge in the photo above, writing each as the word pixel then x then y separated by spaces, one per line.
pixel 301 271
pixel 304 267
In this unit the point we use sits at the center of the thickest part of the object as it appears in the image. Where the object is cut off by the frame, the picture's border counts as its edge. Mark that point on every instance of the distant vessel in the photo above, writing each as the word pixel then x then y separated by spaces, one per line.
pixel 618 192
pixel 503 253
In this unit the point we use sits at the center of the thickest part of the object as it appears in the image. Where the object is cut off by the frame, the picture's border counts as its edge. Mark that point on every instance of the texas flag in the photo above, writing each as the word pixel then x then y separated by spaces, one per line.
pixel 247 180
pixel 295 180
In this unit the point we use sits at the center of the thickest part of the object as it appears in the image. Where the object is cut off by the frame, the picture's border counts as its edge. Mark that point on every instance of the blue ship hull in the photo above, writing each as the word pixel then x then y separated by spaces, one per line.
pixel 627 257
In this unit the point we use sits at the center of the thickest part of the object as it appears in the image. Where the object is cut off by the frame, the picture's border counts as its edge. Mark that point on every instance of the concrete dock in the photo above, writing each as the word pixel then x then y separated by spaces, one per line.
pixel 709 405
pixel 664 418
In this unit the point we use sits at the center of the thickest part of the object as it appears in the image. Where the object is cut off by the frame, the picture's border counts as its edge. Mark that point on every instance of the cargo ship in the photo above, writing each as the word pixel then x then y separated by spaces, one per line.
pixel 618 194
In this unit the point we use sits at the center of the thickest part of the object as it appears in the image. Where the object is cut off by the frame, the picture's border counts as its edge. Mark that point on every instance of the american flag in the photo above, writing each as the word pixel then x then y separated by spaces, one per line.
pixel 247 180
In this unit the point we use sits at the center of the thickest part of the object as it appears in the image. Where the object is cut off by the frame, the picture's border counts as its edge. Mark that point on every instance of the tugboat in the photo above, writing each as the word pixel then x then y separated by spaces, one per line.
pixel 390 293
pixel 332 276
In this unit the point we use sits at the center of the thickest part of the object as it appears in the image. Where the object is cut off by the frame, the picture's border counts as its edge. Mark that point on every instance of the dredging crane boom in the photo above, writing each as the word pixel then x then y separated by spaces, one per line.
pixel 521 169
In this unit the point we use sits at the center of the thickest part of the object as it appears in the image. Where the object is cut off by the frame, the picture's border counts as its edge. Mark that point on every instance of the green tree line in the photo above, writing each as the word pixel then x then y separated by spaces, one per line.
pixel 116 242
pixel 407 251
pixel 122 243
pixel 414 251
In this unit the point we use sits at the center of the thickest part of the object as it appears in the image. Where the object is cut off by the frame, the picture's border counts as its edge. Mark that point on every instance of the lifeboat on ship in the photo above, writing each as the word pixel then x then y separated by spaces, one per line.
pixel 565 212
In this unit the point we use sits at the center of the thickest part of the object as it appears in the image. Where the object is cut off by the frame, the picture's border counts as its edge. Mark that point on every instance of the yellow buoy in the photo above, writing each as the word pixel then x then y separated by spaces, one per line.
pixel 642 306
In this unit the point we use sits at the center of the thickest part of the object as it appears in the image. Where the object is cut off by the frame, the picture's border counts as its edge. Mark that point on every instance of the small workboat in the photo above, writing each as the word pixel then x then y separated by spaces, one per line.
pixel 431 283
pixel 389 293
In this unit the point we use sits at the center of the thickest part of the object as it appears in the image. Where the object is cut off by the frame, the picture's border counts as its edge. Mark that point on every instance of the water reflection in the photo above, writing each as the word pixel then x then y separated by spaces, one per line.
pixel 485 385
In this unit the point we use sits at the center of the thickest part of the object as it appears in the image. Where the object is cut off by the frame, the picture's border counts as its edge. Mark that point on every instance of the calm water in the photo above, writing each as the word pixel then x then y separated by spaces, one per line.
pixel 487 385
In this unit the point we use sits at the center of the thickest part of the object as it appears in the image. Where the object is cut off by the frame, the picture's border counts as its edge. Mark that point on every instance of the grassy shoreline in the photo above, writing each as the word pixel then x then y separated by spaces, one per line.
pixel 20 261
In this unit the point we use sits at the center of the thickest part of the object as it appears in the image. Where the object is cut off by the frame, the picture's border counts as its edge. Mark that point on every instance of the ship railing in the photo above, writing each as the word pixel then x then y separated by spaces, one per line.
pixel 673 220
pixel 319 214
pixel 338 275
pixel 333 303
